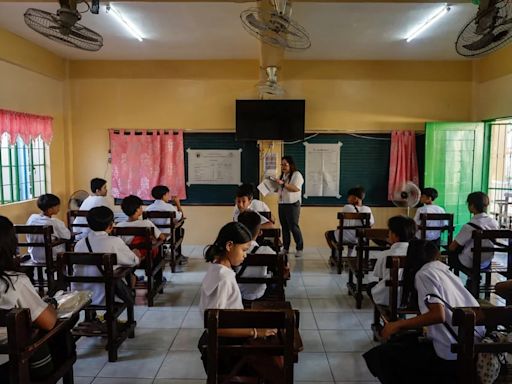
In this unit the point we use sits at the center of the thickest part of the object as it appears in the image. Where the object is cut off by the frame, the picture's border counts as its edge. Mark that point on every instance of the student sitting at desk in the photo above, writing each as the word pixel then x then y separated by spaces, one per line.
pixel 429 283
pixel 428 195
pixel 97 199
pixel 219 290
pixel 401 231
pixel 162 196
pixel 244 201
pixel 354 205
pixel 461 247
pixel 101 222
pixel 16 291
pixel 250 292
pixel 49 205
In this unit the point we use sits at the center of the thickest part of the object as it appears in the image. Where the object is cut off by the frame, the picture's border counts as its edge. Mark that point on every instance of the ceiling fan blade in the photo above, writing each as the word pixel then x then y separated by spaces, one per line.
pixel 258 24
pixel 483 42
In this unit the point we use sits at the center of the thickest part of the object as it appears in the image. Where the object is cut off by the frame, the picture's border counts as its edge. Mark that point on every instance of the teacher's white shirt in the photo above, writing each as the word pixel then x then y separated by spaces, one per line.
pixel 287 197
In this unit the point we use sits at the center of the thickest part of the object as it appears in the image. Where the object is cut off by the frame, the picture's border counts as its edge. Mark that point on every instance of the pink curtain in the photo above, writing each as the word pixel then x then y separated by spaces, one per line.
pixel 26 126
pixel 403 162
pixel 144 159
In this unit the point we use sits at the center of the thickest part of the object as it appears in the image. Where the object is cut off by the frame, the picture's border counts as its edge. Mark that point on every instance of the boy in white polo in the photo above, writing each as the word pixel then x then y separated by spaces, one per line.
pixel 244 201
pixel 101 222
pixel 49 205
pixel 477 205
pixel 97 199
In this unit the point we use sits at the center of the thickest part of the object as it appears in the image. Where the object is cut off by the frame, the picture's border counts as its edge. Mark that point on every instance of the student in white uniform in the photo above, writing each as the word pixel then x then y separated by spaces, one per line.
pixel 461 247
pixel 429 283
pixel 162 195
pixel 251 292
pixel 244 200
pixel 132 207
pixel 354 205
pixel 401 230
pixel 220 289
pixel 49 205
pixel 97 199
pixel 428 195
pixel 101 222
pixel 16 291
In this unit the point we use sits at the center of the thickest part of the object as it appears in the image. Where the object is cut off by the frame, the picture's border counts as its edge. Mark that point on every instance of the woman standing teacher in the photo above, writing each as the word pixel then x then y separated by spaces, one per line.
pixel 290 197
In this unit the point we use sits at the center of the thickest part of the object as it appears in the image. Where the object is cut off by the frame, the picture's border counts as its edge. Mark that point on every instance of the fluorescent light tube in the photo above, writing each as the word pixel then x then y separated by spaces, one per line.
pixel 436 16
pixel 127 24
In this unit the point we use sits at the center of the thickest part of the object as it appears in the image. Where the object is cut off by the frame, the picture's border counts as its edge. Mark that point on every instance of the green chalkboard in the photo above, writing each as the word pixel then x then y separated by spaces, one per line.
pixel 202 194
pixel 364 161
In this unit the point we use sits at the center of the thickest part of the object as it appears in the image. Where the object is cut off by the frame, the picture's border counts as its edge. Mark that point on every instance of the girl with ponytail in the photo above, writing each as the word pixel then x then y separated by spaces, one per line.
pixel 219 289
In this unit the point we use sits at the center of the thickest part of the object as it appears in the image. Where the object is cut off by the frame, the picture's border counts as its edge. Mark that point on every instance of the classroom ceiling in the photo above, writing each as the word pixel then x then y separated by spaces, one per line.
pixel 212 30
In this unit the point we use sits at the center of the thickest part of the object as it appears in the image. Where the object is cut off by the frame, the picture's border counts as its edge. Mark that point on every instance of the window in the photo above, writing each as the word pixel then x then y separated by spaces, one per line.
pixel 24 169
pixel 500 171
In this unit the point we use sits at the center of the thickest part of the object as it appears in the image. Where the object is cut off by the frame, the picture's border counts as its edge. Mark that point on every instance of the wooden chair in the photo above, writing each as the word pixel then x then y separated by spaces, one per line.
pixel 270 237
pixel 393 311
pixel 176 233
pixel 275 281
pixel 116 332
pixel 467 349
pixel 23 342
pixel 364 222
pixel 282 319
pixel 73 228
pixel 48 243
pixel 153 266
pixel 361 265
pixel 446 219
pixel 501 242
pixel 267 215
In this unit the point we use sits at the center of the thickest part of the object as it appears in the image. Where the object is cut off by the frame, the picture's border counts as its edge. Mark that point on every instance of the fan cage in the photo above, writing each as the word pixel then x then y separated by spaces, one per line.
pixel 468 35
pixel 48 25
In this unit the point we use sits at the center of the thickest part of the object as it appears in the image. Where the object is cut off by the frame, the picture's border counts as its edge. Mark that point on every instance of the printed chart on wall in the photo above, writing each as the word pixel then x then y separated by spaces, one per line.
pixel 214 166
pixel 323 170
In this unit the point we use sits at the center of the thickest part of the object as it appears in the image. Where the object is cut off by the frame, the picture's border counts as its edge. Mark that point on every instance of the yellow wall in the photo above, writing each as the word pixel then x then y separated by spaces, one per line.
pixel 25 89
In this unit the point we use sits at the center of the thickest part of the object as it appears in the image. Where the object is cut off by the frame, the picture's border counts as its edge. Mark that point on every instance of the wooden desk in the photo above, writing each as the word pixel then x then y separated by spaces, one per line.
pixel 298 345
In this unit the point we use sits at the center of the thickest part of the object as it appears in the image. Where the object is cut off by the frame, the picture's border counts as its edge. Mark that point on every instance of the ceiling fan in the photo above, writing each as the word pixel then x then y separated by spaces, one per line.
pixel 63 26
pixel 489 30
pixel 276 27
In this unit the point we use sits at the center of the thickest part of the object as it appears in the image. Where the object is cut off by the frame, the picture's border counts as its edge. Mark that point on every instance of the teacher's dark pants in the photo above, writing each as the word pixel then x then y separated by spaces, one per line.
pixel 289 217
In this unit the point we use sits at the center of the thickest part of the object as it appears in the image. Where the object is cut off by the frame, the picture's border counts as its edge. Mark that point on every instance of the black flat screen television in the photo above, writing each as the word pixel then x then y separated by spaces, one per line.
pixel 270 120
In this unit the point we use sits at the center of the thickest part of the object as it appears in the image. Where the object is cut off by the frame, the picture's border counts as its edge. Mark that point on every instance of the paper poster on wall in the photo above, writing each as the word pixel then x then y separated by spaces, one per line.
pixel 270 164
pixel 214 166
pixel 323 170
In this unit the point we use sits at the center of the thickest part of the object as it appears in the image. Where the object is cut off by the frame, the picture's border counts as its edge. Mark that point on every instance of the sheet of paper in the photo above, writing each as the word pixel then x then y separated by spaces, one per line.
pixel 322 170
pixel 267 186
pixel 214 166
pixel 270 164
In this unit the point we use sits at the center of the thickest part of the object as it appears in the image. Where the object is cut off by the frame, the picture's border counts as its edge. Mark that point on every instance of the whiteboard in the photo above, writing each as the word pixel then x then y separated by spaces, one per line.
pixel 214 166
pixel 323 170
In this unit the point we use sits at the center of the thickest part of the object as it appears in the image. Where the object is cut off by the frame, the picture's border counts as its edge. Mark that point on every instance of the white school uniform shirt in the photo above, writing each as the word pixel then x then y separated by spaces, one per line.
pixel 160 205
pixel 349 235
pixel 429 208
pixel 255 291
pixel 219 289
pixel 484 221
pixel 101 242
pixel 436 278
pixel 21 294
pixel 138 224
pixel 255 206
pixel 60 231
pixel 91 202
pixel 380 293
pixel 287 197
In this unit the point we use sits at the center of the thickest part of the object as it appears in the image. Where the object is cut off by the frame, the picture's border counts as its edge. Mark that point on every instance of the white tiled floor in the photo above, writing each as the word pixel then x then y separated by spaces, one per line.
pixel 164 350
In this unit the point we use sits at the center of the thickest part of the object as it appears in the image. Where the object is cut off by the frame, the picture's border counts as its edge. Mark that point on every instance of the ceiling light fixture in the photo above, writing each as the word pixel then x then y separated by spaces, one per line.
pixel 435 16
pixel 111 10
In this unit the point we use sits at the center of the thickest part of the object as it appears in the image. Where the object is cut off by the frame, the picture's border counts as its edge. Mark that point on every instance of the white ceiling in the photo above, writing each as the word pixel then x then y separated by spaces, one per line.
pixel 181 31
